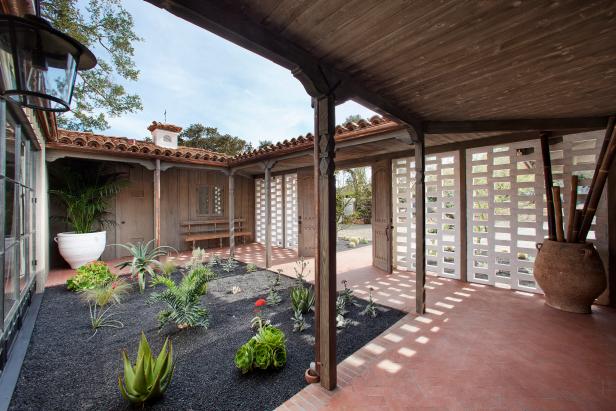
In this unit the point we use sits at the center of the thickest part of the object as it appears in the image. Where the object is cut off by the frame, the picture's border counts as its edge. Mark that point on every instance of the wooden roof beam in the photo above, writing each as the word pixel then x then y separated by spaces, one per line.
pixel 553 124
pixel 317 77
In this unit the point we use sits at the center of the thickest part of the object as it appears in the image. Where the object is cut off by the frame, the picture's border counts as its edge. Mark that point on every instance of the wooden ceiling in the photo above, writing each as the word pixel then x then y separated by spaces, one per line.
pixel 437 60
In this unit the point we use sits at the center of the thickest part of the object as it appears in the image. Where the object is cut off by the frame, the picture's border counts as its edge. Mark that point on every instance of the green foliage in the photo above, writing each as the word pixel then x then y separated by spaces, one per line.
pixel 370 308
pixel 111 293
pixel 363 241
pixel 196 259
pixel 215 260
pixel 150 376
pixel 299 323
pixel 301 272
pixel 85 195
pixel 251 268
pixel 91 275
pixel 168 267
pixel 267 349
pixel 273 296
pixel 144 261
pixel 347 294
pixel 184 300
pixel 101 317
pixel 108 29
pixel 209 138
pixel 229 265
pixel 302 299
pixel 357 185
pixel 353 118
pixel 265 143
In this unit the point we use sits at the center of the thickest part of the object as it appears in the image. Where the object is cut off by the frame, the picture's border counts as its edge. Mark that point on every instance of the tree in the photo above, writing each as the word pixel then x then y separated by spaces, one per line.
pixel 354 118
pixel 106 26
pixel 198 135
pixel 265 143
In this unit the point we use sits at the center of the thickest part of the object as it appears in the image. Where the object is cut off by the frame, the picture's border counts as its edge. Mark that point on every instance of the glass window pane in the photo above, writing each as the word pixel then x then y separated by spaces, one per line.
pixel 10 151
pixel 10 270
pixel 10 231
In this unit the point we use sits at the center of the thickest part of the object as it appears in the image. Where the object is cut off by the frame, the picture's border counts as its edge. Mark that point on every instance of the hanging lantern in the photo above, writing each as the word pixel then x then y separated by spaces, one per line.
pixel 39 63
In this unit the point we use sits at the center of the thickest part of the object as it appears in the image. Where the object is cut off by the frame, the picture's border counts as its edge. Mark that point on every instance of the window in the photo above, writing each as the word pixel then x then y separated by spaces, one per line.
pixel 17 193
pixel 210 200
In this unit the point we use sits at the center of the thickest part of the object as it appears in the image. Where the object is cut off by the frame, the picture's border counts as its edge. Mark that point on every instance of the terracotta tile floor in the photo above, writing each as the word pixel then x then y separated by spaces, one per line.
pixel 477 347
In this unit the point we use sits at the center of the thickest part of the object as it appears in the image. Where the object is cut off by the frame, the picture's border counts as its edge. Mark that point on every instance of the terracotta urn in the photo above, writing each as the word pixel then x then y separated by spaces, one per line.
pixel 571 275
pixel 311 376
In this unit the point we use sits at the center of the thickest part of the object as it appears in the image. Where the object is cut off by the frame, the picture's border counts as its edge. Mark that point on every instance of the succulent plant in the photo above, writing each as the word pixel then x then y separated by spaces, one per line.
pixel 150 376
pixel 302 299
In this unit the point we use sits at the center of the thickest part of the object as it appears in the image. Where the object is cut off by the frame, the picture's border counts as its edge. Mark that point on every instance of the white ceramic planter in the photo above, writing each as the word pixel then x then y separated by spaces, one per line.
pixel 79 249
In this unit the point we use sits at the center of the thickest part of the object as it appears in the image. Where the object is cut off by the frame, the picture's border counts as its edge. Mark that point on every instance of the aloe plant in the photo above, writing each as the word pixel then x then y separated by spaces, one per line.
pixel 144 260
pixel 150 377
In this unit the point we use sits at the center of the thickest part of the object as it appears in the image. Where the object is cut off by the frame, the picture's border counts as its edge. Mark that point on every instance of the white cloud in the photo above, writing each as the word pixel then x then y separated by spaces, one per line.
pixel 199 77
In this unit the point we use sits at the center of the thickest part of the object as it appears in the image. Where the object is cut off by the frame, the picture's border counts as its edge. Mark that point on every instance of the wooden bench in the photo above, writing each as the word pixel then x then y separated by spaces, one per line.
pixel 202 230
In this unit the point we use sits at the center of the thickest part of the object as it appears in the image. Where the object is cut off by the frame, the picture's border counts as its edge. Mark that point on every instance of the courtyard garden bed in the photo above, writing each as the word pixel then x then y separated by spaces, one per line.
pixel 68 368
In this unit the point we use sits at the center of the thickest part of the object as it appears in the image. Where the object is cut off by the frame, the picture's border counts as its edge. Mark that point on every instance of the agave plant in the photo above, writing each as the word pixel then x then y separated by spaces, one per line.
pixel 150 377
pixel 183 300
pixel 302 299
pixel 144 260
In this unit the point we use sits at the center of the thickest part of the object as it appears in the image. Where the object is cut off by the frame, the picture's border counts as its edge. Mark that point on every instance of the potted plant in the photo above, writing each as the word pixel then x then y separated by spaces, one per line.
pixel 84 191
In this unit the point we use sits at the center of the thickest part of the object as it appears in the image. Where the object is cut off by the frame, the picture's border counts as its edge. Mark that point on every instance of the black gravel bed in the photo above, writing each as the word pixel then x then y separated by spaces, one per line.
pixel 65 369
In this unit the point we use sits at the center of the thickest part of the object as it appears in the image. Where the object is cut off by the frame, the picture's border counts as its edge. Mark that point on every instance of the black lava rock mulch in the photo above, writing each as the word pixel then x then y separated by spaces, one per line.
pixel 65 369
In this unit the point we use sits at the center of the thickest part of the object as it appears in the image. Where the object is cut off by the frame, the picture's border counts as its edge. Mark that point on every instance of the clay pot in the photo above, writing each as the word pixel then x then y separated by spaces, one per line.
pixel 311 376
pixel 571 275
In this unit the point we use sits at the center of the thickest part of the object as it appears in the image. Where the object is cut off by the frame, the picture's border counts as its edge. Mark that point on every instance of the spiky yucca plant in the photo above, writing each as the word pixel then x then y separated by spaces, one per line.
pixel 150 377
pixel 144 260
pixel 183 300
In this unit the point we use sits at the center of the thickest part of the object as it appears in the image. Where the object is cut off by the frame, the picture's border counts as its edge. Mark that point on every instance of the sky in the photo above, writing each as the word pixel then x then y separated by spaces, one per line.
pixel 197 76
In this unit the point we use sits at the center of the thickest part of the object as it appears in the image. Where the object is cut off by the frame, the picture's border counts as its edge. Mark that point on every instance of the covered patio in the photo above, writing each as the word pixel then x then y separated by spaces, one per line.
pixel 457 72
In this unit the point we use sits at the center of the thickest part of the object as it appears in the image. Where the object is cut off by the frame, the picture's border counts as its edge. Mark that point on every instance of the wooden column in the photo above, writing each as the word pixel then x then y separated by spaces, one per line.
pixel 611 229
pixel 268 215
pixel 157 203
pixel 463 217
pixel 420 226
pixel 231 201
pixel 547 177
pixel 325 260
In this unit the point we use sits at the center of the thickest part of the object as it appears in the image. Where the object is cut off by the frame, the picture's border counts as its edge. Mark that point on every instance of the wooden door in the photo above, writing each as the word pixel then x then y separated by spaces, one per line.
pixel 306 216
pixel 134 209
pixel 381 216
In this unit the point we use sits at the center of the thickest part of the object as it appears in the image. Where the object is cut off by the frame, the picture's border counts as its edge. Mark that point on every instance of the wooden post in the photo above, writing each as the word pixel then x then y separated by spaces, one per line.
pixel 548 182
pixel 572 206
pixel 611 229
pixel 231 215
pixel 463 217
pixel 325 260
pixel 157 203
pixel 604 164
pixel 268 215
pixel 558 214
pixel 420 226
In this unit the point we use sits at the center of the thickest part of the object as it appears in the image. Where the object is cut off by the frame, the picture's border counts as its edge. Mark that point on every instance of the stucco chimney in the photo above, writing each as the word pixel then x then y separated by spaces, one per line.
pixel 164 135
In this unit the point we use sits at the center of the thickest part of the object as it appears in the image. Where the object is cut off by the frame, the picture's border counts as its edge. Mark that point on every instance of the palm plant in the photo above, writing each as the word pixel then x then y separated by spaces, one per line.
pixel 85 194
pixel 144 260
pixel 183 301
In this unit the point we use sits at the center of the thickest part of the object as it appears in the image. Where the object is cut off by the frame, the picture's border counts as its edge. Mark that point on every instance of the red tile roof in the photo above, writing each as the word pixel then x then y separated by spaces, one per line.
pixel 96 143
